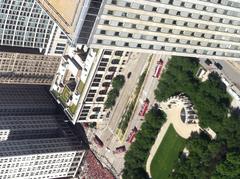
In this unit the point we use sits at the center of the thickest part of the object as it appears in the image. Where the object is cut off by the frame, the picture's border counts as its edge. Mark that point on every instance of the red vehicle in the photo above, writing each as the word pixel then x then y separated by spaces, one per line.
pixel 98 141
pixel 132 135
pixel 158 69
pixel 120 149
pixel 144 107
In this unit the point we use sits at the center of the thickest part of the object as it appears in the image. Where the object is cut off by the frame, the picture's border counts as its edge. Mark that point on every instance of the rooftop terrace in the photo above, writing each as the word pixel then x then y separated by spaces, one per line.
pixel 65 12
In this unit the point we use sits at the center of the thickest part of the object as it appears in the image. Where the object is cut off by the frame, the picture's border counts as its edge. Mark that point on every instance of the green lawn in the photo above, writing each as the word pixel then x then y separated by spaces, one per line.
pixel 73 109
pixel 65 95
pixel 167 154
pixel 80 87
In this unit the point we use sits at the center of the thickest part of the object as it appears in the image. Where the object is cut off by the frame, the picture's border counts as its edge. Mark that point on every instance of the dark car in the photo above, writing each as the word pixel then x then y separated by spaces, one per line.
pixel 218 65
pixel 120 149
pixel 208 62
pixel 129 74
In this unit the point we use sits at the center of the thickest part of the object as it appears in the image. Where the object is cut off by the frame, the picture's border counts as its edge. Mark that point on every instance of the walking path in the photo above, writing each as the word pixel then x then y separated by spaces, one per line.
pixel 155 146
pixel 173 117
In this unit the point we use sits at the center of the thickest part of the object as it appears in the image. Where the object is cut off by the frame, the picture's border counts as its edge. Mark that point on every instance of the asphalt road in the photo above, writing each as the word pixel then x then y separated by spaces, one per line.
pixel 230 69
pixel 147 92
pixel 107 133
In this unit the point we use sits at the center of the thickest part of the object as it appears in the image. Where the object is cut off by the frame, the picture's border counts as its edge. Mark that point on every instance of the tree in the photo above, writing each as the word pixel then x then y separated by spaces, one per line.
pixel 111 98
pixel 118 82
pixel 136 156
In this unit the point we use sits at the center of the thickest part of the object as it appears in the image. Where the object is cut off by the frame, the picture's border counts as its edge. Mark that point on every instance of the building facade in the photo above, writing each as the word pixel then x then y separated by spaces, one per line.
pixel 110 65
pixel 83 80
pixel 23 23
pixel 20 68
pixel 198 28
pixel 35 139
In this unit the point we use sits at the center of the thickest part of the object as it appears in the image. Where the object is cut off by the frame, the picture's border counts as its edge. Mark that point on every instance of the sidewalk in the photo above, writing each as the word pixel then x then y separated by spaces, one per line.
pixel 155 146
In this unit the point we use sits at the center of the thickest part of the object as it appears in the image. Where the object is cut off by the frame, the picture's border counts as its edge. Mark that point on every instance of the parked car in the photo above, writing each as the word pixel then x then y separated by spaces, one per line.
pixel 208 62
pixel 120 149
pixel 98 141
pixel 129 74
pixel 218 65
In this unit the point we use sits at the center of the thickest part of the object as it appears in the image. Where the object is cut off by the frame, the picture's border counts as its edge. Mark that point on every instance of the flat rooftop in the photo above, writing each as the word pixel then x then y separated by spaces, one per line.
pixel 64 12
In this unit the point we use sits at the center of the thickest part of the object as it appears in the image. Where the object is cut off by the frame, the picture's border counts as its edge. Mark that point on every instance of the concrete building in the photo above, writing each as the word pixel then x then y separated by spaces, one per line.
pixel 36 141
pixel 197 28
pixel 21 68
pixel 23 23
pixel 83 80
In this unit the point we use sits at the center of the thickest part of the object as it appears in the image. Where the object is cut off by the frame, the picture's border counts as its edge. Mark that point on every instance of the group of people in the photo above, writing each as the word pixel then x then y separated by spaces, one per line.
pixel 93 169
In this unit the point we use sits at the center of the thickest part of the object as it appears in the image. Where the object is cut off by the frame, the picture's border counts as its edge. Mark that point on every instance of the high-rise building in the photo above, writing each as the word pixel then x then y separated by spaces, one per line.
pixel 23 68
pixel 196 28
pixel 35 140
pixel 23 23
pixel 83 80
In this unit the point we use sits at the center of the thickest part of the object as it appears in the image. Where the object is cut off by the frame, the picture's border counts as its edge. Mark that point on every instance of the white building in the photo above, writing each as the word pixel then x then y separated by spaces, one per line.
pixel 196 28
pixel 83 80
pixel 23 23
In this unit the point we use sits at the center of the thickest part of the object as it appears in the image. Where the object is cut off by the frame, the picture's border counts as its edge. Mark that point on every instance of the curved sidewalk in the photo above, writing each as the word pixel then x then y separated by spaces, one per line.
pixel 173 117
pixel 155 146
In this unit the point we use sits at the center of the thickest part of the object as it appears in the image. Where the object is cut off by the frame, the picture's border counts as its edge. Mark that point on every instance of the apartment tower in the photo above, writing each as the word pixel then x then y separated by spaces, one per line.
pixel 196 28
pixel 36 141
pixel 23 23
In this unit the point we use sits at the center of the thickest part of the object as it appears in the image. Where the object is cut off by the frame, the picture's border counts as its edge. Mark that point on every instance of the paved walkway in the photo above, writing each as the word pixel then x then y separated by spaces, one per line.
pixel 173 117
pixel 155 146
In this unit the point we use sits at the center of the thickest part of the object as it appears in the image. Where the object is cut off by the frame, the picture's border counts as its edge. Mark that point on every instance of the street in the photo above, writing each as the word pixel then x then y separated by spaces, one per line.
pixel 230 69
pixel 148 92
pixel 107 132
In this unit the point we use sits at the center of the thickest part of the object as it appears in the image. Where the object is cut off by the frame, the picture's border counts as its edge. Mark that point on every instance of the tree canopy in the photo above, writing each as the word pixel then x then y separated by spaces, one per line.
pixel 135 158
pixel 208 158
pixel 117 84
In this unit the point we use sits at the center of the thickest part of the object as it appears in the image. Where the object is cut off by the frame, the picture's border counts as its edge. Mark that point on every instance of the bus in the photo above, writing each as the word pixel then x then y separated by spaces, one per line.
pixel 158 69
pixel 132 135
pixel 144 107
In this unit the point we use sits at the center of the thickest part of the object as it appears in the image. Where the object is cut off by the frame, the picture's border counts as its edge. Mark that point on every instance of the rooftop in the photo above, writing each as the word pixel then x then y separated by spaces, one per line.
pixel 66 13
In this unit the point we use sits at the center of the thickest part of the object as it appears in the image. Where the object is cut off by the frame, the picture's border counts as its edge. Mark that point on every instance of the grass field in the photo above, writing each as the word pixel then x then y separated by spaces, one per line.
pixel 167 154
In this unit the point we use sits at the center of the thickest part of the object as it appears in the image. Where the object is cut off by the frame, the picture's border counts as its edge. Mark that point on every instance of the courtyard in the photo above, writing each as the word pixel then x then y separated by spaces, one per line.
pixel 182 120
pixel 167 154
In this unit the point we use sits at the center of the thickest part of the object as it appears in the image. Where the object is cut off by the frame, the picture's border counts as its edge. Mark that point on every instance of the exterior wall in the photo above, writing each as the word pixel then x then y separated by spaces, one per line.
pixel 197 28
pixel 17 68
pixel 48 165
pixel 92 70
pixel 25 100
pixel 35 142
pixel 92 109
pixel 23 23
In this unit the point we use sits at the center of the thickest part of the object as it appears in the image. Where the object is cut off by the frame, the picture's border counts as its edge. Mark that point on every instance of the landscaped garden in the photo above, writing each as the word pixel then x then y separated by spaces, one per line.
pixel 167 154
pixel 208 158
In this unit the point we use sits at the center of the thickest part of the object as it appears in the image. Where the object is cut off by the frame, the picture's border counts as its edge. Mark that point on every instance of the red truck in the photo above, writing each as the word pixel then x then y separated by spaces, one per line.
pixel 132 135
pixel 144 107
pixel 158 69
